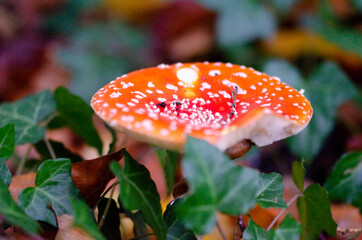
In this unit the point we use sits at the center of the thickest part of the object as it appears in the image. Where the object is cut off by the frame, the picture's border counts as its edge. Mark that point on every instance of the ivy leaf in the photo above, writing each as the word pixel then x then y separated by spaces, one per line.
pixel 26 114
pixel 110 227
pixel 175 229
pixel 7 144
pixel 215 184
pixel 298 172
pixel 5 174
pixel 14 214
pixel 270 192
pixel 328 87
pixel 286 71
pixel 84 219
pixel 254 232
pixel 59 150
pixel 53 186
pixel 168 160
pixel 243 22
pixel 139 192
pixel 345 181
pixel 315 213
pixel 7 141
pixel 76 114
pixel 288 229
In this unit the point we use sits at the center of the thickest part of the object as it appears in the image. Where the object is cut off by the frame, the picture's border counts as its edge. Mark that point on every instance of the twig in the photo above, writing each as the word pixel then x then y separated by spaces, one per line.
pixel 50 148
pixel 100 199
pixel 49 118
pixel 241 225
pixel 236 232
pixel 223 236
pixel 22 161
pixel 282 211
pixel 55 214
pixel 344 231
pixel 108 205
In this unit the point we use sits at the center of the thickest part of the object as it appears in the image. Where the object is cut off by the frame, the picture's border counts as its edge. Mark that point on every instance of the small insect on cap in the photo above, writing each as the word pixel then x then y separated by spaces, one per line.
pixel 220 103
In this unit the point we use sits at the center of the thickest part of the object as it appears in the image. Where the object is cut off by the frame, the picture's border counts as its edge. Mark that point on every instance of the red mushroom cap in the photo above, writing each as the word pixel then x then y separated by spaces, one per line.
pixel 221 103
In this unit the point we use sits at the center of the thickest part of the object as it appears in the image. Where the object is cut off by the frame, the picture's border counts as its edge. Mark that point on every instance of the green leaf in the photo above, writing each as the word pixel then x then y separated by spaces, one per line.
pixel 77 114
pixel 54 187
pixel 169 161
pixel 99 53
pixel 285 71
pixel 289 229
pixel 254 232
pixel 7 141
pixel 298 172
pixel 357 4
pixel 270 192
pixel 240 22
pixel 110 227
pixel 282 6
pixel 315 213
pixel 140 228
pixel 215 184
pixel 14 214
pixel 84 219
pixel 59 150
pixel 333 31
pixel 139 192
pixel 7 144
pixel 345 181
pixel 5 174
pixel 175 229
pixel 327 88
pixel 26 114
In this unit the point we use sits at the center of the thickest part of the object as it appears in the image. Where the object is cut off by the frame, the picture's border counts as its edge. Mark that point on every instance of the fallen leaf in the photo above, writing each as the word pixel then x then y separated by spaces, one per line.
pixel 91 176
pixel 291 44
pixel 19 183
pixel 68 231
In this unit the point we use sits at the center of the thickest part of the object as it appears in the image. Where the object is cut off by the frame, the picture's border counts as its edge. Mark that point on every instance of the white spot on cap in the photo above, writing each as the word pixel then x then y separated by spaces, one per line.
pixel 150 84
pixel 147 124
pixel 204 86
pixel 115 95
pixel 253 87
pixel 163 66
pixel 162 99
pixel 301 91
pixel 214 73
pixel 225 94
pixel 171 87
pixel 187 75
pixel 240 74
pixel 164 132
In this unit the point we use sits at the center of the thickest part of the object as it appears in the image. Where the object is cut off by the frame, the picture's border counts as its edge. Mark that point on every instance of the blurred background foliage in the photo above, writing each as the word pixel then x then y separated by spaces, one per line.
pixel 314 45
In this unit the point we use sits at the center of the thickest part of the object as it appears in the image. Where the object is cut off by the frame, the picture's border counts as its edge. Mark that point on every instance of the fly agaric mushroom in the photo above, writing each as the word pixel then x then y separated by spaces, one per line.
pixel 220 103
